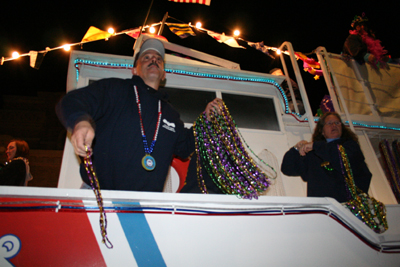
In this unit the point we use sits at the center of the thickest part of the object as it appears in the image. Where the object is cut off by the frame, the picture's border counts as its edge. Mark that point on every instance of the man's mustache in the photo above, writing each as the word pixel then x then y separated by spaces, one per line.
pixel 153 63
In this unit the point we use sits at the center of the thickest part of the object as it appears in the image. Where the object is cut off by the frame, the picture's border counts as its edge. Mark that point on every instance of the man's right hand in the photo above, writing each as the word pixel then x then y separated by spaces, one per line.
pixel 82 136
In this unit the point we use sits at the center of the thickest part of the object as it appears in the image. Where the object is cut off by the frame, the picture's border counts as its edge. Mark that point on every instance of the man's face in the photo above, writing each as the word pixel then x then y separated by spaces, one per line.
pixel 150 67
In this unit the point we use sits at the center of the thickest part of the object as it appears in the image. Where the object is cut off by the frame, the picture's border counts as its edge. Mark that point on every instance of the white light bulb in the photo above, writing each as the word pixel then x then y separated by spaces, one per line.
pixel 15 55
pixel 67 47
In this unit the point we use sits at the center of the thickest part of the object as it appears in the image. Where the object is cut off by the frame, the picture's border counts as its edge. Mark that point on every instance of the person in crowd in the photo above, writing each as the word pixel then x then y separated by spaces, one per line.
pixel 129 125
pixel 285 87
pixel 319 163
pixel 16 171
pixel 362 45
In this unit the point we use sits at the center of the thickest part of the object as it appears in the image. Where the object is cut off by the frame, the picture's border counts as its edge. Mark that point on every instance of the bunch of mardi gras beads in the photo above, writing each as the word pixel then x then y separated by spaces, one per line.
pixel 396 149
pixel 94 183
pixel 392 168
pixel 219 149
pixel 274 173
pixel 396 152
pixel 368 209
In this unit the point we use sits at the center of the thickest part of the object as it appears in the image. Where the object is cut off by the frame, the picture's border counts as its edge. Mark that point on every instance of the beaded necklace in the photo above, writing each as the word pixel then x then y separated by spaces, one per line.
pixel 18 158
pixel 371 211
pixel 220 151
pixel 148 162
pixel 94 183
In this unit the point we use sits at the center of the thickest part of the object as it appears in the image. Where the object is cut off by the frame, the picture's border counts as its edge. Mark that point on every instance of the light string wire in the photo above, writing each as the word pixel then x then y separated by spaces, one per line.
pixel 219 149
pixel 94 183
pixel 369 210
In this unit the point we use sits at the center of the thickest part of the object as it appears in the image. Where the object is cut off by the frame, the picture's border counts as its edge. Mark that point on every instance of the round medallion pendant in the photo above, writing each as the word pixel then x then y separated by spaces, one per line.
pixel 148 163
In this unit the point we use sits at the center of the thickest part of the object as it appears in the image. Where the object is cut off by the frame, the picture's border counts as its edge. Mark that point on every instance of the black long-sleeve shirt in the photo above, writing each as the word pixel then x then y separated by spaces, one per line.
pixel 322 182
pixel 13 173
pixel 110 104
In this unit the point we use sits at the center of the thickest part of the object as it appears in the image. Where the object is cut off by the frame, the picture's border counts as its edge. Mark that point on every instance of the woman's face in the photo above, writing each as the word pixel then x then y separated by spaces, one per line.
pixel 11 150
pixel 332 127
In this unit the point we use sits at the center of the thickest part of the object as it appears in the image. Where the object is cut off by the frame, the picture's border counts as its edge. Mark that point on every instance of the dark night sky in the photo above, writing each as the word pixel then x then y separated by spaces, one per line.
pixel 306 24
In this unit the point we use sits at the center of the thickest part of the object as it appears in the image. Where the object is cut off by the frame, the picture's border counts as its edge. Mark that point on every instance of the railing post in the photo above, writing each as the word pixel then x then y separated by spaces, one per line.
pixel 300 83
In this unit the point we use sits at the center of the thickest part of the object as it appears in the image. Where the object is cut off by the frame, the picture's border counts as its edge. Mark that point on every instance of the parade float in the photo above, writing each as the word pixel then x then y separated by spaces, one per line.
pixel 68 226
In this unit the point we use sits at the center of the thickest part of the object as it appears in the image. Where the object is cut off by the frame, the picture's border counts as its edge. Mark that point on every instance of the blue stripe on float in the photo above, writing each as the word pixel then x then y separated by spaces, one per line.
pixel 141 240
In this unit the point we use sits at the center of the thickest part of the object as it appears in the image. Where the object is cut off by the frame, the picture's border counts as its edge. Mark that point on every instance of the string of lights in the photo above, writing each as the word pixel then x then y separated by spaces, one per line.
pixel 94 34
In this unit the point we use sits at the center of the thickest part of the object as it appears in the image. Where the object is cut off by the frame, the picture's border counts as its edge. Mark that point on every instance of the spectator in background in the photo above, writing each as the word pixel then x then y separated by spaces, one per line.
pixel 362 45
pixel 285 87
pixel 16 170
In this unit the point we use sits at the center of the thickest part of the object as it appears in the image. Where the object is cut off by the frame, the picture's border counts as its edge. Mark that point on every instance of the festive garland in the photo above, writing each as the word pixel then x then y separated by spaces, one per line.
pixel 219 149
pixel 94 183
pixel 371 211
pixel 391 164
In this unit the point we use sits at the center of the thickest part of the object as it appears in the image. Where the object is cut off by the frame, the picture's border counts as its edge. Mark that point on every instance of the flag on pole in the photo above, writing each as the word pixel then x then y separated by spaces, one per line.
pixel 201 2
pixel 310 61
pixel 182 30
pixel 36 58
pixel 261 47
pixel 94 34
pixel 133 33
pixel 222 38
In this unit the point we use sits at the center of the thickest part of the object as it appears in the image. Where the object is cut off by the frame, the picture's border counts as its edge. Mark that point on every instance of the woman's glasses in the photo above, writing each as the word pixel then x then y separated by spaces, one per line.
pixel 337 123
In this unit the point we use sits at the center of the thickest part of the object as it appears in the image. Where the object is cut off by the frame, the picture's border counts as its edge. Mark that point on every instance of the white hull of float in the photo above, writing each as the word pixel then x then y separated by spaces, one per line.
pixel 61 228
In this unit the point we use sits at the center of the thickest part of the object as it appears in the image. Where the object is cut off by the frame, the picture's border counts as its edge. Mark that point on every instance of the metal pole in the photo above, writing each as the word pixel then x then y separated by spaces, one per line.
pixel 289 83
pixel 300 83
pixel 162 24
pixel 322 55
pixel 141 29
pixel 145 20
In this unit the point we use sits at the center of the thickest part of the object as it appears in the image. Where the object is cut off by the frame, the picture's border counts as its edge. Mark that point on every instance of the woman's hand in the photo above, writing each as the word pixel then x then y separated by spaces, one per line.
pixel 304 147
